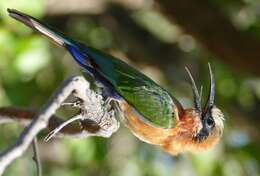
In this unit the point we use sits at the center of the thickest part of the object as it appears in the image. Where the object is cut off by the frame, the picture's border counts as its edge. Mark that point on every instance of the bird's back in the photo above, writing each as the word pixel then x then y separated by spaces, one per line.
pixel 151 101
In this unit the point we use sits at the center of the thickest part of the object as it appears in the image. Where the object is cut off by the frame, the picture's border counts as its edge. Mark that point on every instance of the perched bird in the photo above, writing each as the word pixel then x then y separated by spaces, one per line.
pixel 151 113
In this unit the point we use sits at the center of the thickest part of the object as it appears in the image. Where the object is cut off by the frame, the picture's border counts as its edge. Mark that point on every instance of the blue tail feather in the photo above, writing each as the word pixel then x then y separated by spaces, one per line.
pixel 80 52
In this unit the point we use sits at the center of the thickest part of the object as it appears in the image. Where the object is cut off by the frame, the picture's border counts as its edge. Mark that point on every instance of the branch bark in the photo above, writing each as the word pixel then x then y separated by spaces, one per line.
pixel 92 110
pixel 25 116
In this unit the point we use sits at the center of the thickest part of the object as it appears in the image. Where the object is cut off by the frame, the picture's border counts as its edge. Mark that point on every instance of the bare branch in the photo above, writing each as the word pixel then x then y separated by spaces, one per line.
pixel 92 110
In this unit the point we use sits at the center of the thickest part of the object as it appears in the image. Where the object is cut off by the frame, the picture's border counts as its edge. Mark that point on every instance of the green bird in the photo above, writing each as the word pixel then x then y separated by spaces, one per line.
pixel 150 111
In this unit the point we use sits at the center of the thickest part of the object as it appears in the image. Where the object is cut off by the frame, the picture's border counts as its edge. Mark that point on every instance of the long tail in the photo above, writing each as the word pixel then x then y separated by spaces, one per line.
pixel 83 57
pixel 40 27
pixel 51 33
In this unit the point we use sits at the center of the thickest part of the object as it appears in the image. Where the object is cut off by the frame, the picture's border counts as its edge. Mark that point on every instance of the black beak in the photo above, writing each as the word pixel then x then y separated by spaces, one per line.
pixel 195 92
pixel 197 96
pixel 211 96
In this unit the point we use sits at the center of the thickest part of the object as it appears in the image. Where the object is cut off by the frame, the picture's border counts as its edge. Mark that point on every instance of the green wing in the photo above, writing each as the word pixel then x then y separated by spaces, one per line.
pixel 150 100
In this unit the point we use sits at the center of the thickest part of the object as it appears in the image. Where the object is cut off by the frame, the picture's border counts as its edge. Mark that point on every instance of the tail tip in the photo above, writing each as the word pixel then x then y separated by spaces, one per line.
pixel 10 11
pixel 13 12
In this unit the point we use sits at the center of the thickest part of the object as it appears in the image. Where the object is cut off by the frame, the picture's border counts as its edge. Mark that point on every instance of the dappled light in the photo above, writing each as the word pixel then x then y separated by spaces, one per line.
pixel 159 40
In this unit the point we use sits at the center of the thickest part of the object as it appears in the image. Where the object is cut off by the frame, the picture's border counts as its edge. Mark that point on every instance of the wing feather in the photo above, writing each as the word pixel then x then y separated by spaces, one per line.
pixel 150 100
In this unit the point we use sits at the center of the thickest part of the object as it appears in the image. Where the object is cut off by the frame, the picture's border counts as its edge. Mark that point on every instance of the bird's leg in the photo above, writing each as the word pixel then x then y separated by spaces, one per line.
pixel 107 105
pixel 119 112
pixel 108 101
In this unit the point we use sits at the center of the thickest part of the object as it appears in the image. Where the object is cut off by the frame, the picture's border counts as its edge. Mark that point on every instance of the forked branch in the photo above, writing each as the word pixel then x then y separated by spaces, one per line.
pixel 97 119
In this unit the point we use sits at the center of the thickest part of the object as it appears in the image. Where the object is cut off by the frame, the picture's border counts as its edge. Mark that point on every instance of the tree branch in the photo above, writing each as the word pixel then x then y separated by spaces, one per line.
pixel 92 108
pixel 25 116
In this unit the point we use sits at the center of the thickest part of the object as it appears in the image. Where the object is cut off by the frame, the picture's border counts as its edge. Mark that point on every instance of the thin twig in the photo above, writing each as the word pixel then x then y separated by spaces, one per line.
pixel 36 157
pixel 59 128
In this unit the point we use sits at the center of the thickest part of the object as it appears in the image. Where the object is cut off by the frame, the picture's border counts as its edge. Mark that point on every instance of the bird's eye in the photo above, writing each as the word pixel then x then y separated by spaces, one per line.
pixel 210 122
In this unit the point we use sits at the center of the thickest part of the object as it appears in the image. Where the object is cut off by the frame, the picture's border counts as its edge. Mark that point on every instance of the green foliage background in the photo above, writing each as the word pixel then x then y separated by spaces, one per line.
pixel 31 68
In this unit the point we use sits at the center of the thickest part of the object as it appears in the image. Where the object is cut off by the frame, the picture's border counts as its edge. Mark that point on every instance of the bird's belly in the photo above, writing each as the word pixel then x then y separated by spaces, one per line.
pixel 141 129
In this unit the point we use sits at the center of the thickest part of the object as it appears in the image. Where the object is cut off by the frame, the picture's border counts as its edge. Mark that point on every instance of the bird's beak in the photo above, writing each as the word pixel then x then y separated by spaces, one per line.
pixel 195 92
pixel 197 96
pixel 211 96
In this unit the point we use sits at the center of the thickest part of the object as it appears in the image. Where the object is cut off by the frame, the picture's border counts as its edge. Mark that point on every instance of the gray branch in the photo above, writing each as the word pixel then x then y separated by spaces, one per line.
pixel 93 109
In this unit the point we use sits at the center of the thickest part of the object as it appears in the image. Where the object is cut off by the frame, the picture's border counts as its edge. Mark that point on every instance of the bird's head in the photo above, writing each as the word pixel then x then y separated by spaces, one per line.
pixel 210 128
pixel 202 127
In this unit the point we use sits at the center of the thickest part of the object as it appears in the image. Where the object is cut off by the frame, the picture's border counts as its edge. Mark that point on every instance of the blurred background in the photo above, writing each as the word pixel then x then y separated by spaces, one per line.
pixel 159 38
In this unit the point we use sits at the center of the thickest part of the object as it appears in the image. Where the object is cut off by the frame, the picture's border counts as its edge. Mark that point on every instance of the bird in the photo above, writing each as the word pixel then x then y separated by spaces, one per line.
pixel 151 113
